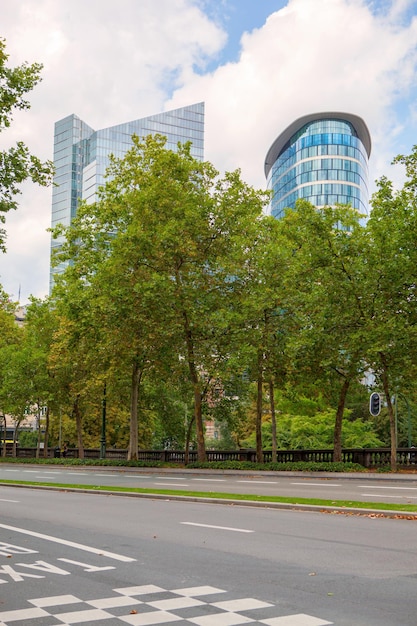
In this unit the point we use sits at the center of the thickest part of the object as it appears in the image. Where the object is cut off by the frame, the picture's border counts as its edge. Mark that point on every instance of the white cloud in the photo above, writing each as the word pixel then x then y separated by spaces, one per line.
pixel 333 55
pixel 106 61
pixel 110 62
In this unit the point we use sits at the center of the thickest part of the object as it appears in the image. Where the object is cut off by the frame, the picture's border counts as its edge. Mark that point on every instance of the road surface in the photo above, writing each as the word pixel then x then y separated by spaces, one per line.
pixel 78 558
pixel 361 488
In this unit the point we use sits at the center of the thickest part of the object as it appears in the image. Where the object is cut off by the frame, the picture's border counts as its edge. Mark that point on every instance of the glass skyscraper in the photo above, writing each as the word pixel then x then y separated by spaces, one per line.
pixel 81 155
pixel 322 158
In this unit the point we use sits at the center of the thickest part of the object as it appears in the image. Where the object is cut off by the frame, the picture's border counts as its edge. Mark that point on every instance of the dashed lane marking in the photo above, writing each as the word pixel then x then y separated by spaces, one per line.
pixel 236 530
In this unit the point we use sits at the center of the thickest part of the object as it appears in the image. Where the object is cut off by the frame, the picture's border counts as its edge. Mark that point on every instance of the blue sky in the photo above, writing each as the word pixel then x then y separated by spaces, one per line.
pixel 257 64
pixel 236 17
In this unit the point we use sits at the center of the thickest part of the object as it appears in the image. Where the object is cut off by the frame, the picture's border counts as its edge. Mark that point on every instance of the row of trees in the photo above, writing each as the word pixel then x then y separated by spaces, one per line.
pixel 181 301
pixel 180 298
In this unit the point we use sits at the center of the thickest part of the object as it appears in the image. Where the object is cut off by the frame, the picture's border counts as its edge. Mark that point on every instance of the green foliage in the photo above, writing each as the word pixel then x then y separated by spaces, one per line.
pixel 165 225
pixel 185 303
pixel 307 423
pixel 28 438
pixel 16 163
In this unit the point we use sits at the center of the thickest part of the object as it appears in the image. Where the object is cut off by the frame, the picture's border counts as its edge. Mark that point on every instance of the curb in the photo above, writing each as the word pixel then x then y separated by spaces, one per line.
pixel 366 512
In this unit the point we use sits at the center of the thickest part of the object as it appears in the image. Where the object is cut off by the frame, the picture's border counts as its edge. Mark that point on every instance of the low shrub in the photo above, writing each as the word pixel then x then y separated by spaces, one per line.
pixel 296 466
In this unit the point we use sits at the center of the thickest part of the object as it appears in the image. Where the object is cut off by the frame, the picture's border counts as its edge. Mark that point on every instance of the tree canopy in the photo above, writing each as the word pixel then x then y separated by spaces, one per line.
pixel 185 304
pixel 17 164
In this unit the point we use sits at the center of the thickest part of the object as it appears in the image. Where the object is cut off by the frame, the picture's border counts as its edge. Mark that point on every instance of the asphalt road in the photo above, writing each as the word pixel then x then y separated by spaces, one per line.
pixel 75 558
pixel 336 487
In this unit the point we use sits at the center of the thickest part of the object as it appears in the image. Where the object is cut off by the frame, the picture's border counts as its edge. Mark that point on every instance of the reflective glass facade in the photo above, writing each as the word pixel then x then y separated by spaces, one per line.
pixel 322 158
pixel 81 155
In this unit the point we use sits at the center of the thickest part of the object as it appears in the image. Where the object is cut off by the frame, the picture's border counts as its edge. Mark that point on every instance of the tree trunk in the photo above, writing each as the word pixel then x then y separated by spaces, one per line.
pixel 198 416
pixel 38 443
pixel 187 441
pixel 198 396
pixel 78 423
pixel 3 448
pixel 273 420
pixel 16 436
pixel 137 371
pixel 337 437
pixel 392 426
pixel 46 438
pixel 259 405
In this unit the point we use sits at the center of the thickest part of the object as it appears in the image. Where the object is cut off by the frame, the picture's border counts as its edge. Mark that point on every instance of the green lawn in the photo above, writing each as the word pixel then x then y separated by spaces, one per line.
pixel 349 504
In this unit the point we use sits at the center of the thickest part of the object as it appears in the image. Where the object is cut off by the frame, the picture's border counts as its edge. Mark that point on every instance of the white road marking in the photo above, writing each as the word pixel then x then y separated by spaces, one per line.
pixel 383 487
pixel 26 614
pixel 172 604
pixel 243 604
pixel 89 615
pixel 107 475
pixel 77 473
pixel 4 500
pixel 236 530
pixel 307 484
pixel 30 471
pixel 87 567
pixel 70 544
pixel 296 620
pixel 170 478
pixel 224 613
pixel 171 484
pixel 375 495
pixel 210 480
pixel 137 477
pixel 204 590
pixel 54 601
pixel 259 482
pixel 11 470
pixel 52 473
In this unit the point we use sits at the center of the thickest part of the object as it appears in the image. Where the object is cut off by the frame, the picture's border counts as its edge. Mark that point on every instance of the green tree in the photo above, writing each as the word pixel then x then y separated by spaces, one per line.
pixel 27 384
pixel 164 251
pixel 325 289
pixel 307 423
pixel 391 287
pixel 77 361
pixel 264 329
pixel 17 164
pixel 10 339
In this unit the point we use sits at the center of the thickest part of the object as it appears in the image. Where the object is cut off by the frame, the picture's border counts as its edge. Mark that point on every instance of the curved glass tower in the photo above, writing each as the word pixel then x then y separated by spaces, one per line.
pixel 323 158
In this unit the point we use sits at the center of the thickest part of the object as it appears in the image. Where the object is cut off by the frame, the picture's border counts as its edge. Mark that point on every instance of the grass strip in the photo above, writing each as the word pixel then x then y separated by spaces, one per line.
pixel 352 504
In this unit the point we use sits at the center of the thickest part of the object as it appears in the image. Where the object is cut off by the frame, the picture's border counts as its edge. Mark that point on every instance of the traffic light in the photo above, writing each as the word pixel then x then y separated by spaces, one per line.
pixel 375 404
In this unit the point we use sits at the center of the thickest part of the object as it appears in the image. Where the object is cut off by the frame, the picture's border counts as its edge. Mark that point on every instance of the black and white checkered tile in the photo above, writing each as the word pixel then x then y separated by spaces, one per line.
pixel 146 605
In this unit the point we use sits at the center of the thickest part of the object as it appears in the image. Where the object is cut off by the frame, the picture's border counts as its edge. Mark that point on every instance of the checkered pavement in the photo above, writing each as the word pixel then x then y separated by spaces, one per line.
pixel 146 605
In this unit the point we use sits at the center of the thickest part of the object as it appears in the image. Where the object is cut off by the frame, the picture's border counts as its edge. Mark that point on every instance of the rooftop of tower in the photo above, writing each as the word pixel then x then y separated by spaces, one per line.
pixel 279 143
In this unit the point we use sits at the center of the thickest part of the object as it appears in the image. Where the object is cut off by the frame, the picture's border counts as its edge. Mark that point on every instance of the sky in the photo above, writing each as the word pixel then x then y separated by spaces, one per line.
pixel 257 64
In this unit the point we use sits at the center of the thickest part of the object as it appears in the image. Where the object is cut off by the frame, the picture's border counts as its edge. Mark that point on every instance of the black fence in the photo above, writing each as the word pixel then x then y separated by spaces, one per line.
pixel 370 458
